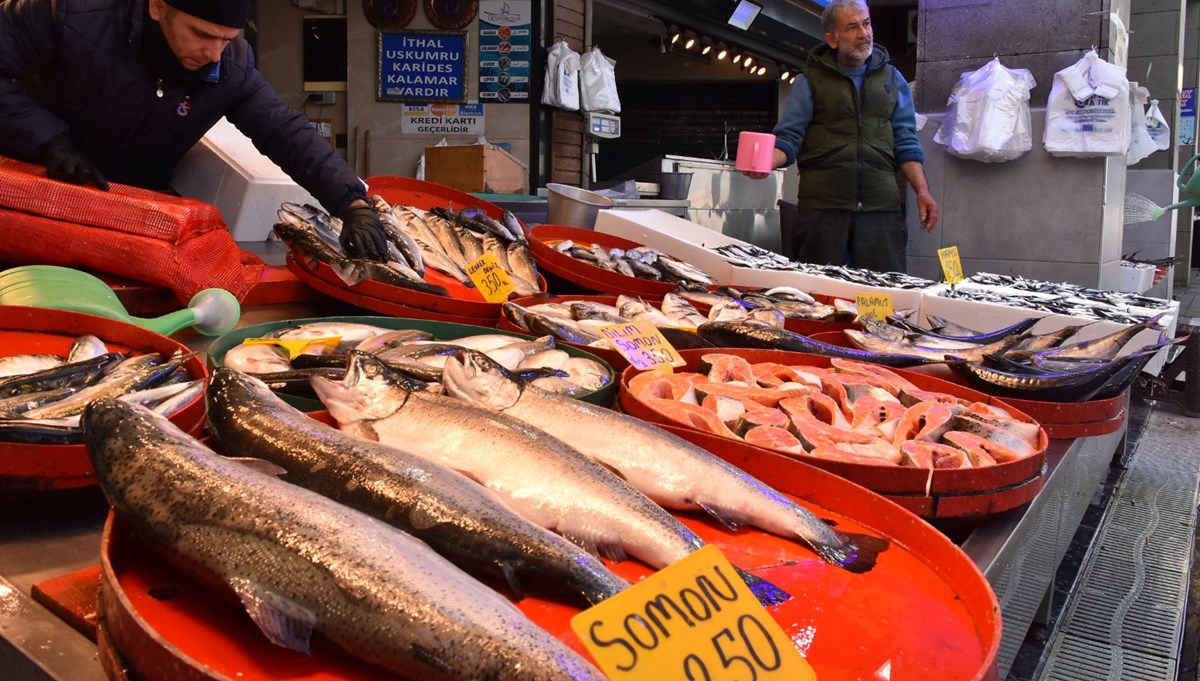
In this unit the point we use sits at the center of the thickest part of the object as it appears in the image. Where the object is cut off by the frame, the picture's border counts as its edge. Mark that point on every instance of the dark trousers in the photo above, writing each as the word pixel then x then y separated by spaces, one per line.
pixel 872 241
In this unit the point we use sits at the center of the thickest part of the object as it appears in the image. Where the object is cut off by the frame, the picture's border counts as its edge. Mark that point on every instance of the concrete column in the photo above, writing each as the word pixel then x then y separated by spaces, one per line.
pixel 1039 216
pixel 1155 53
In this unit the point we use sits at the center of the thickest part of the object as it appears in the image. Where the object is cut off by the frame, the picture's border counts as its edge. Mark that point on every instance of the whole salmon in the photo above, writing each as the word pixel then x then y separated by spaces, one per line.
pixel 539 476
pixel 302 563
pixel 460 519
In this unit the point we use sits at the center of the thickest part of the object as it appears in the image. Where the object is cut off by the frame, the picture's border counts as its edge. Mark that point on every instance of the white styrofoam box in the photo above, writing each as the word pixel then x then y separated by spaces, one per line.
pixel 225 169
pixel 1136 278
pixel 672 235
pixel 902 299
pixel 985 316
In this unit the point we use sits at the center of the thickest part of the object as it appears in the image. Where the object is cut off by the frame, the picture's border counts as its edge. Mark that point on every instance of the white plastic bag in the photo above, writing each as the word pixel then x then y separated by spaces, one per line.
pixel 598 78
pixel 1140 143
pixel 1157 126
pixel 1088 110
pixel 987 118
pixel 561 87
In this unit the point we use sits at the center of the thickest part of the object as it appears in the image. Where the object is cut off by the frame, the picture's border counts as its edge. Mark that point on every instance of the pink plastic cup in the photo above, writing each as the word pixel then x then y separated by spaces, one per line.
pixel 756 152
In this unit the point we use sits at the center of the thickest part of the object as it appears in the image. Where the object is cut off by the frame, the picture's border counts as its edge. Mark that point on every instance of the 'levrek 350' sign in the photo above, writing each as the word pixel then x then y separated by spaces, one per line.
pixel 422 66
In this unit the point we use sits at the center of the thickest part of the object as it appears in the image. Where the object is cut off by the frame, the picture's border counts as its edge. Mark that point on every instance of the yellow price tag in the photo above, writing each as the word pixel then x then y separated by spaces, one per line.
pixel 877 306
pixel 642 344
pixel 295 346
pixel 490 278
pixel 951 264
pixel 694 620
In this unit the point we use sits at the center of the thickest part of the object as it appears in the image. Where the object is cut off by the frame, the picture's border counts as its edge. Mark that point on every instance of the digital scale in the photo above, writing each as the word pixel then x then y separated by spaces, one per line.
pixel 602 125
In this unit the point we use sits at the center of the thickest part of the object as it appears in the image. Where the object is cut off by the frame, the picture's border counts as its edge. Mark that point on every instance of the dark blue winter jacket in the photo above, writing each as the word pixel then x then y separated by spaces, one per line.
pixel 78 67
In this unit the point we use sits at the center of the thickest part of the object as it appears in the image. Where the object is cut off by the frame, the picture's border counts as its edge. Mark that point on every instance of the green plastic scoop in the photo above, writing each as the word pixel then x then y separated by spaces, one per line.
pixel 212 311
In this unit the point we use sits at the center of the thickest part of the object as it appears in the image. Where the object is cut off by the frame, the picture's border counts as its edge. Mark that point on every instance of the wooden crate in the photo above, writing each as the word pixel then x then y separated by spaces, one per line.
pixel 476 168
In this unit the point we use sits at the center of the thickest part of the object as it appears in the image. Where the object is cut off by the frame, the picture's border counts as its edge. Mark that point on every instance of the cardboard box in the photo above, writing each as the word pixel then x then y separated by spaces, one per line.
pixel 483 168
pixel 225 169
pixel 675 236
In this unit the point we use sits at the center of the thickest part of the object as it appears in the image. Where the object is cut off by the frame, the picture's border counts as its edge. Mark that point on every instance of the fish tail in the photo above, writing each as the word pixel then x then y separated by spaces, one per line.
pixel 856 553
pixel 766 592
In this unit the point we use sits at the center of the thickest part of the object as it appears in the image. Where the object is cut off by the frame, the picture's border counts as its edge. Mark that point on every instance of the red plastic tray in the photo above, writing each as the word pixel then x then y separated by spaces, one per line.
pixel 462 302
pixel 27 330
pixel 909 483
pixel 584 273
pixel 925 611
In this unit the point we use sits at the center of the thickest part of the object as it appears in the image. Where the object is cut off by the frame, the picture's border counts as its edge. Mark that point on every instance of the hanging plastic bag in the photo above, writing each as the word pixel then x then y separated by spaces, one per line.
pixel 421 163
pixel 1157 126
pixel 1088 110
pixel 987 118
pixel 561 87
pixel 1140 143
pixel 599 82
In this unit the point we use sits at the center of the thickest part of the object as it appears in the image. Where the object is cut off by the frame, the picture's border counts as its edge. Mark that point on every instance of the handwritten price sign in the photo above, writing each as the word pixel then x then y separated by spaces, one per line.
pixel 951 264
pixel 877 306
pixel 490 278
pixel 642 344
pixel 694 620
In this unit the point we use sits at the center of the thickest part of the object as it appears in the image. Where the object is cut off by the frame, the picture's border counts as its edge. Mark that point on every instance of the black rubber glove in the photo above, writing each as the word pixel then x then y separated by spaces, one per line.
pixel 65 163
pixel 362 234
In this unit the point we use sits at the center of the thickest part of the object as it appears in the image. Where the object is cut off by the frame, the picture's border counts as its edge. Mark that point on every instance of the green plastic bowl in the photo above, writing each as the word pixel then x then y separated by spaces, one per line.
pixel 442 331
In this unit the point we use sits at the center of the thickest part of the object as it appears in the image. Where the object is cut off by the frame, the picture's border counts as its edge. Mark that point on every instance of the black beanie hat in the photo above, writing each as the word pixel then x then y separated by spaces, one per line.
pixel 231 13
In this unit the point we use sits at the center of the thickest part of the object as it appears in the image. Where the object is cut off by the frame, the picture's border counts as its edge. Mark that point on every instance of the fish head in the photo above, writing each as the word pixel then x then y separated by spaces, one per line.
pixel 475 381
pixel 370 390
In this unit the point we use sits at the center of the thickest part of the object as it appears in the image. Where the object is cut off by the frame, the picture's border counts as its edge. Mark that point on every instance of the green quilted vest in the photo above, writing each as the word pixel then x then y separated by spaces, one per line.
pixel 848 159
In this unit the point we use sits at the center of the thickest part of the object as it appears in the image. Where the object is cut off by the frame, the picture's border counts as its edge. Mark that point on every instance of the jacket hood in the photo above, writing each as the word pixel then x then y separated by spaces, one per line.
pixel 824 54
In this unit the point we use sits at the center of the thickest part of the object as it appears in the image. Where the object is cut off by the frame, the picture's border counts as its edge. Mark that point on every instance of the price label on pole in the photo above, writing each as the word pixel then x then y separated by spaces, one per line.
pixel 877 306
pixel 490 278
pixel 951 264
pixel 694 620
pixel 642 344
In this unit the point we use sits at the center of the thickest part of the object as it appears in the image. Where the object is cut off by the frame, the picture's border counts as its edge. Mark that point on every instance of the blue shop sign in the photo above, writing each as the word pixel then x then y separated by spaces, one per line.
pixel 422 66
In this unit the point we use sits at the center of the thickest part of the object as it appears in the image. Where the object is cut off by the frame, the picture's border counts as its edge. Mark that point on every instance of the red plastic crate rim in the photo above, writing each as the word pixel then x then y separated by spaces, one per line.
pixel 169 241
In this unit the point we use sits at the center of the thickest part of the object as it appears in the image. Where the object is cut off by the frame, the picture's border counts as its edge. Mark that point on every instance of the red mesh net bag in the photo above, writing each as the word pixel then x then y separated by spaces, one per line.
pixel 178 243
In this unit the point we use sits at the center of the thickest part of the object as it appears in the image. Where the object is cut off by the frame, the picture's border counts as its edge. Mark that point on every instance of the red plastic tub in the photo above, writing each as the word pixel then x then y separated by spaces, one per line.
pixel 990 490
pixel 924 612
pixel 30 330
pixel 584 273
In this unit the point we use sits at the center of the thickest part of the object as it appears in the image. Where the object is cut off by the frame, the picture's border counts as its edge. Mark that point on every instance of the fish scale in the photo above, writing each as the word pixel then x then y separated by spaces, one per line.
pixel 302 563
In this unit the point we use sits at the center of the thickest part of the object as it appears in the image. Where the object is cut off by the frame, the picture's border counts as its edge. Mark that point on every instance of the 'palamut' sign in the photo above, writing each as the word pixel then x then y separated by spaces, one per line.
pixel 427 66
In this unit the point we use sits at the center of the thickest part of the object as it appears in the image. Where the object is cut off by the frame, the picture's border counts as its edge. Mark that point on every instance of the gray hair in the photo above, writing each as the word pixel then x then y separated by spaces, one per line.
pixel 829 16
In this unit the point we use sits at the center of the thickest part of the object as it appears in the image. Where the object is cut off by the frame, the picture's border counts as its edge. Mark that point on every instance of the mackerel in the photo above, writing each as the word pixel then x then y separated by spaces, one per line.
pixel 131 374
pixel 304 564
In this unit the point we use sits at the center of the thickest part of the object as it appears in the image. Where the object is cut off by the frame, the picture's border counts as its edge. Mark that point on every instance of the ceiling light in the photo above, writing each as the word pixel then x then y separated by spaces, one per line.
pixel 737 57
pixel 706 46
pixel 722 53
pixel 785 73
pixel 690 41
pixel 749 61
pixel 675 35
pixel 761 70
pixel 792 80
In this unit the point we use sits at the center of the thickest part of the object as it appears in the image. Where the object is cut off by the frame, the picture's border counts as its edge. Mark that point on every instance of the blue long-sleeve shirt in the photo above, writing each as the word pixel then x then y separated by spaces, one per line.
pixel 798 113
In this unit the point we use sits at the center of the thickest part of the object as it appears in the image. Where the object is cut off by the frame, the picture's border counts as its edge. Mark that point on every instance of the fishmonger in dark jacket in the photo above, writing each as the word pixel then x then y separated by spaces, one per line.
pixel 122 89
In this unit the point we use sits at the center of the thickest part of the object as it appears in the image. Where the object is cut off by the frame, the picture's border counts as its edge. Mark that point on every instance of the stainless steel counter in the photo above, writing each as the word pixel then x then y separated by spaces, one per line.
pixel 57 533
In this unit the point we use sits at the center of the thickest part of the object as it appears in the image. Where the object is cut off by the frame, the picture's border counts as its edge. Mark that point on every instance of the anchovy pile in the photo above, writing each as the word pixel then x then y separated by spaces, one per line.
pixel 642 262
pixel 1059 298
pixel 441 239
pixel 413 352
pixel 1011 362
pixel 749 255
pixel 42 396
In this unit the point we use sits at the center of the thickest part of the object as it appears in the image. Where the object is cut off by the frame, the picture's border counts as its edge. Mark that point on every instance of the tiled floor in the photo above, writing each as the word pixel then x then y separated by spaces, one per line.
pixel 1030 658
